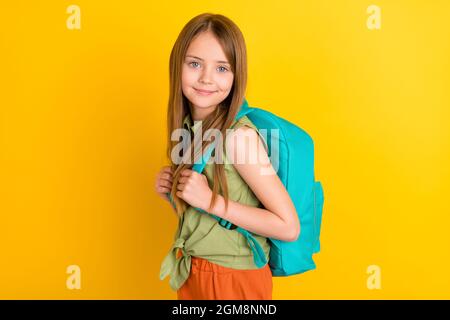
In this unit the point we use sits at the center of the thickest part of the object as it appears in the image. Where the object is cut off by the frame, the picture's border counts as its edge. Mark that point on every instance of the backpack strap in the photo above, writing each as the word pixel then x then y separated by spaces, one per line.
pixel 259 257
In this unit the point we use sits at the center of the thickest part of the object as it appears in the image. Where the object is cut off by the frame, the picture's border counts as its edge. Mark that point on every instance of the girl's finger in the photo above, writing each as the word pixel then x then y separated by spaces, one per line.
pixel 180 186
pixel 167 176
pixel 182 180
pixel 165 183
pixel 186 172
pixel 163 190
pixel 167 169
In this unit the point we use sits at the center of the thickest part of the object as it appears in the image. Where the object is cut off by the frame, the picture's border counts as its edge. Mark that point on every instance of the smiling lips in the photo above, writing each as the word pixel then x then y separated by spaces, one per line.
pixel 204 92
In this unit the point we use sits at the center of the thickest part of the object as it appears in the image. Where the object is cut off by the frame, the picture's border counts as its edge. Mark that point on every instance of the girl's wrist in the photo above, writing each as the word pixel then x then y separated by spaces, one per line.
pixel 218 208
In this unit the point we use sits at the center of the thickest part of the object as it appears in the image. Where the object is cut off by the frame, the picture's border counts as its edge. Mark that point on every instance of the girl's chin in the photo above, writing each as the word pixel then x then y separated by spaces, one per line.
pixel 203 103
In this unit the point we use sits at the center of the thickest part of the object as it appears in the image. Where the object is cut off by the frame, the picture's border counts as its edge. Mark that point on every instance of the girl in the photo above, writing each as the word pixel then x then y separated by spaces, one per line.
pixel 208 77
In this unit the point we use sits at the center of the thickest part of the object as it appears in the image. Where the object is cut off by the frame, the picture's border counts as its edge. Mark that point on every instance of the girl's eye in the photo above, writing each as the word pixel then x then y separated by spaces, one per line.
pixel 192 63
pixel 195 64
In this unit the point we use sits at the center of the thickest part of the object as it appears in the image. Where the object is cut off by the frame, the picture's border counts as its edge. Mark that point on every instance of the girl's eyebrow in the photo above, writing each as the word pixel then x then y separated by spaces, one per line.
pixel 203 60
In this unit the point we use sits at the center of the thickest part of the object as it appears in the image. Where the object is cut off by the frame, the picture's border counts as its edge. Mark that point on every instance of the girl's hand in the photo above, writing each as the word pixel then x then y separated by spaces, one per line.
pixel 194 189
pixel 164 182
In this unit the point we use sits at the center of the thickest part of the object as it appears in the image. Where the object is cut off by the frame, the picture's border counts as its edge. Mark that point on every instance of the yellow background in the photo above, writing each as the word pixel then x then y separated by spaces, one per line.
pixel 83 116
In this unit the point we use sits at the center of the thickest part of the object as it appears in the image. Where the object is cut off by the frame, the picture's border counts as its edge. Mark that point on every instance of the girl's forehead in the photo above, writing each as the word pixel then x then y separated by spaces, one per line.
pixel 206 47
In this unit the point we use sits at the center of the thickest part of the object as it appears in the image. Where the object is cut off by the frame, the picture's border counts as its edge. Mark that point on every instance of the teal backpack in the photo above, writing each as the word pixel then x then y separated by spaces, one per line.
pixel 293 150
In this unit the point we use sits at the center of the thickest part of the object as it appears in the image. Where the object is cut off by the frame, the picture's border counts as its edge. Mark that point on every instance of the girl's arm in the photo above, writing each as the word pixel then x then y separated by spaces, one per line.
pixel 279 218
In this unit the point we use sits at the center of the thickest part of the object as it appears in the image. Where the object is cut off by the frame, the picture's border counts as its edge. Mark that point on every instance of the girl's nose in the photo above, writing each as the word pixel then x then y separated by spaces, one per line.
pixel 206 77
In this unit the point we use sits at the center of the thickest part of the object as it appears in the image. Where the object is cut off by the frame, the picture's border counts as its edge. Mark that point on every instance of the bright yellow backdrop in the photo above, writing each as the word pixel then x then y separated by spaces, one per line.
pixel 83 134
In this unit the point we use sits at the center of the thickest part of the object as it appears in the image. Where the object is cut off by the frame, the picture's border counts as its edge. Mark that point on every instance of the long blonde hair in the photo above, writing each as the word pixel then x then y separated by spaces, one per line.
pixel 233 44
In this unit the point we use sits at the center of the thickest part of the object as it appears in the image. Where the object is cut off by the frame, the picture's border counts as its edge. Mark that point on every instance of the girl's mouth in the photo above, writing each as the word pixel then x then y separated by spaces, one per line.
pixel 204 92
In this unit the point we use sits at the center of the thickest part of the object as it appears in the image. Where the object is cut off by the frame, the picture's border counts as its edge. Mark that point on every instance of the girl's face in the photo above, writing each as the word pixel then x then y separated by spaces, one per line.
pixel 206 75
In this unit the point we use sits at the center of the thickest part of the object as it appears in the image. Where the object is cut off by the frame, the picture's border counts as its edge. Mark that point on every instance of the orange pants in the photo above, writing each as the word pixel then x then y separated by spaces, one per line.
pixel 210 281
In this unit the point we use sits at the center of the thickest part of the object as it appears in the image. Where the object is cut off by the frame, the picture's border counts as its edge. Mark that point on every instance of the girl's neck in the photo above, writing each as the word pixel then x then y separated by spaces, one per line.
pixel 201 113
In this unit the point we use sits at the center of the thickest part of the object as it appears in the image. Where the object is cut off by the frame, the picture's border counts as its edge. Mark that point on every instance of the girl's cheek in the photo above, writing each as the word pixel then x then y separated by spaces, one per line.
pixel 188 74
pixel 226 83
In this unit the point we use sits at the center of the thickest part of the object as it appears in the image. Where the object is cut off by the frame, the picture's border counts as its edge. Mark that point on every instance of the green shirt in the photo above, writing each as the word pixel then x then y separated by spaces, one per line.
pixel 201 235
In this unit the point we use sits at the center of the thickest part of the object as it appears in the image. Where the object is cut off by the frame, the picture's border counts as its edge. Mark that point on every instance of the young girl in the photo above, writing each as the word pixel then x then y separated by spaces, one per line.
pixel 208 77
